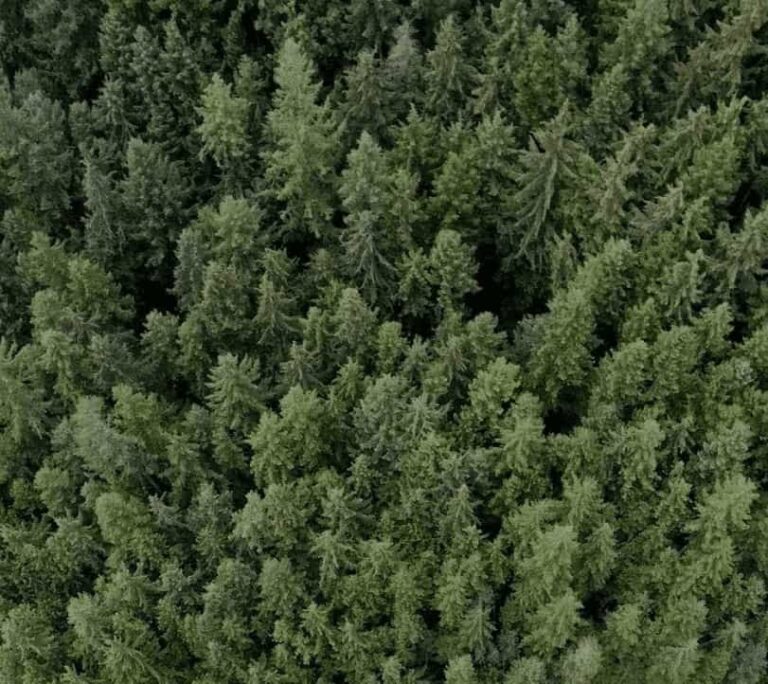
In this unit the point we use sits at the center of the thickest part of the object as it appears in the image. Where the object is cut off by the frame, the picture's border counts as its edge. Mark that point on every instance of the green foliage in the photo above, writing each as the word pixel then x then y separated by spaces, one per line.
pixel 224 125
pixel 369 238
pixel 449 74
pixel 383 341
pixel 303 149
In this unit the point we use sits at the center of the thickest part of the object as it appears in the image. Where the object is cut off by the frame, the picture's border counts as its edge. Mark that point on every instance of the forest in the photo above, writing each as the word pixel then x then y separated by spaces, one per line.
pixel 383 341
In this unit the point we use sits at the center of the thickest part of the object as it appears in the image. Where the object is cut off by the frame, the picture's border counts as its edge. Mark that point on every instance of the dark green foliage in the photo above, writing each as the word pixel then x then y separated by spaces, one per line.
pixel 383 341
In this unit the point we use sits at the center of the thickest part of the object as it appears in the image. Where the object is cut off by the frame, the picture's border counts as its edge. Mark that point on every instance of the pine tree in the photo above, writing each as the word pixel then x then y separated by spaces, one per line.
pixel 61 41
pixel 372 21
pixel 104 231
pixel 403 73
pixel 275 315
pixel 553 625
pixel 460 671
pixel 450 76
pixel 28 651
pixel 583 663
pixel 641 48
pixel 35 158
pixel 224 130
pixel 714 66
pixel 155 196
pixel 300 161
pixel 551 70
pixel 563 358
pixel 365 99
pixel 369 243
pixel 472 190
pixel 234 392
pixel 453 270
pixel 547 163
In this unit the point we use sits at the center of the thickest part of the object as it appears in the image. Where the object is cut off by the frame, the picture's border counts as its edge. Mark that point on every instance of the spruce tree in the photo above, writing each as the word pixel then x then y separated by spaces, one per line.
pixel 303 148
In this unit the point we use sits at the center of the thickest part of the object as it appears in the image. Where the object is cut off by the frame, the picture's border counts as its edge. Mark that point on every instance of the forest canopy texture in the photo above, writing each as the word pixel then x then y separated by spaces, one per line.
pixel 383 341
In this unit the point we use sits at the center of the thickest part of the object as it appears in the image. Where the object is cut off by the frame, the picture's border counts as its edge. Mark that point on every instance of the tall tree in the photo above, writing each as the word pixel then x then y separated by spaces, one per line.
pixel 303 147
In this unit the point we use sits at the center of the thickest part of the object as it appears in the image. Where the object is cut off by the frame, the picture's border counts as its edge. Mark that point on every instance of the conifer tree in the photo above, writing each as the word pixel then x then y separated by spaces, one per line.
pixel 369 242
pixel 224 129
pixel 550 71
pixel 36 161
pixel 303 148
pixel 548 162
pixel 373 22
pixel 453 269
pixel 714 66
pixel 474 187
pixel 365 106
pixel 449 75
pixel 156 193
pixel 104 234
pixel 403 73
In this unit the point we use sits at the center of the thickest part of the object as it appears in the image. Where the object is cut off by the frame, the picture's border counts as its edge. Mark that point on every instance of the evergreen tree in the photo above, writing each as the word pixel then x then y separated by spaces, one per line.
pixel 369 241
pixel 547 164
pixel 365 101
pixel 224 130
pixel 300 161
pixel 450 76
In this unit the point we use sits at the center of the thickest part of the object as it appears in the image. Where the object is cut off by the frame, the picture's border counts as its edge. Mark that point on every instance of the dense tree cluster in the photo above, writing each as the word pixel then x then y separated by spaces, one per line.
pixel 383 341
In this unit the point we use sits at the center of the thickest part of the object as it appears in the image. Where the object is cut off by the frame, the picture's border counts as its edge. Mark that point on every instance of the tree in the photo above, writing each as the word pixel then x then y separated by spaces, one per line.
pixel 104 232
pixel 583 663
pixel 564 357
pixel 403 73
pixel 460 671
pixel 23 407
pixel 365 99
pixel 724 511
pixel 126 526
pixel 450 76
pixel 641 43
pixel 275 314
pixel 550 71
pixel 234 392
pixel 372 22
pixel 741 261
pixel 224 129
pixel 28 652
pixel 714 66
pixel 453 269
pixel 548 163
pixel 369 243
pixel 153 204
pixel 60 42
pixel 292 442
pixel 553 624
pixel 35 158
pixel 472 191
pixel 303 146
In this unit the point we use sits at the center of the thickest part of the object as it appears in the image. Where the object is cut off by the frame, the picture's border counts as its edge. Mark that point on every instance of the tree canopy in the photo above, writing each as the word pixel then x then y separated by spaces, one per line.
pixel 383 342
